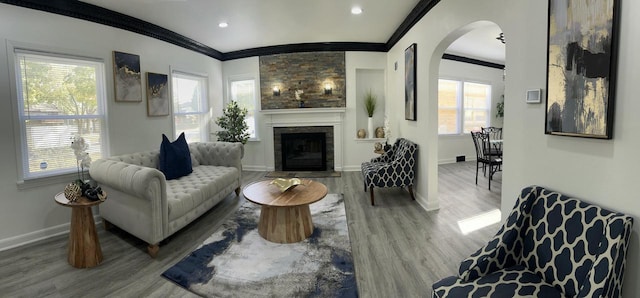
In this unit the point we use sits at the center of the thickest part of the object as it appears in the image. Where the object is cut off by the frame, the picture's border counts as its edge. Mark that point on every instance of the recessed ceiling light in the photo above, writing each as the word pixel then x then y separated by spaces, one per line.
pixel 356 10
pixel 223 25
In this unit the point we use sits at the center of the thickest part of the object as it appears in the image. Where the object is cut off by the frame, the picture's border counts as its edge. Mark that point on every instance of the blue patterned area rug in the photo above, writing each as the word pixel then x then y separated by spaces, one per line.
pixel 236 262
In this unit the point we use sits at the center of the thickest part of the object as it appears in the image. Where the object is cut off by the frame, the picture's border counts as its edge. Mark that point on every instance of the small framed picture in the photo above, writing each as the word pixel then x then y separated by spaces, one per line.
pixel 533 96
pixel 126 77
pixel 157 94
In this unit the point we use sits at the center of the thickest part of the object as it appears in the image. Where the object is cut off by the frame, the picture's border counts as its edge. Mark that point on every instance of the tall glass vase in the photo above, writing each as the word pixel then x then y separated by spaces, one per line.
pixel 370 132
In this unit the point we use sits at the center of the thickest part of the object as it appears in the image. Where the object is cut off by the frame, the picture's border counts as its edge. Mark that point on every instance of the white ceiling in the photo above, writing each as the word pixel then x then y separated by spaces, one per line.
pixel 481 43
pixel 259 23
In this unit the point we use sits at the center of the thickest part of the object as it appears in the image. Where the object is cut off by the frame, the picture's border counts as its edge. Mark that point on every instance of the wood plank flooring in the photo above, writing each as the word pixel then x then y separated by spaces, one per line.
pixel 399 249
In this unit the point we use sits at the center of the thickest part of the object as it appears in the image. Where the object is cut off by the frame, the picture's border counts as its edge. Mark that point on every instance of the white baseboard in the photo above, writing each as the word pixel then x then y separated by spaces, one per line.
pixel 40 235
pixel 446 161
pixel 428 206
pixel 351 168
pixel 254 168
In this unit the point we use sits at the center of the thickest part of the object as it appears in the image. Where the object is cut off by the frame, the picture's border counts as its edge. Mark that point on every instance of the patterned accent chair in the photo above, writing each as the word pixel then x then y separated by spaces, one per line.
pixel 394 168
pixel 550 246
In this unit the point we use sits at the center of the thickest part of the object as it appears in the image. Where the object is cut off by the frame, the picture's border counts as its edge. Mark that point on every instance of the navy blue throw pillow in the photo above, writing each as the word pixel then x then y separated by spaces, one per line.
pixel 175 159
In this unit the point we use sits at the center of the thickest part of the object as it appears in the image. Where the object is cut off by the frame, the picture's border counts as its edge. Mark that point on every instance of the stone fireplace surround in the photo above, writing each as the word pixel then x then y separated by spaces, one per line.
pixel 304 117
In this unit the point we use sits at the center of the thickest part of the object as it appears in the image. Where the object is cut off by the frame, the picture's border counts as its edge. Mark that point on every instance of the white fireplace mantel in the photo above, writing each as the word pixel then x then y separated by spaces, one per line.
pixel 304 117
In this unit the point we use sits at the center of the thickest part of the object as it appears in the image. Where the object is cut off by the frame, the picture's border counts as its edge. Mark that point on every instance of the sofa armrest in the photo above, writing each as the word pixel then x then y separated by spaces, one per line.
pixel 138 181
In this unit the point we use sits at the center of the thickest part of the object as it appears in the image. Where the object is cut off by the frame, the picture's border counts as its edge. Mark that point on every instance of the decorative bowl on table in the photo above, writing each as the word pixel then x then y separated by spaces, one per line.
pixel 286 184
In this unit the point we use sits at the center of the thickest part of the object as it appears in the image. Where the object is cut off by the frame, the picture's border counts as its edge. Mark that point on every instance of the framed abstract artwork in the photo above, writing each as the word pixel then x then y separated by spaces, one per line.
pixel 581 67
pixel 126 77
pixel 410 83
pixel 157 94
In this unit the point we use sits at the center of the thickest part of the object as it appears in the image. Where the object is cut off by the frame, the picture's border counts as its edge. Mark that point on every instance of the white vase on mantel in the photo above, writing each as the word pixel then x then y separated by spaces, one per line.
pixel 370 132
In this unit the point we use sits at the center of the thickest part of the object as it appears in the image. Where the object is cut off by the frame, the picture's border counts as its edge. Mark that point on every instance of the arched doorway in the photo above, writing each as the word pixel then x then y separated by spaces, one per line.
pixel 470 83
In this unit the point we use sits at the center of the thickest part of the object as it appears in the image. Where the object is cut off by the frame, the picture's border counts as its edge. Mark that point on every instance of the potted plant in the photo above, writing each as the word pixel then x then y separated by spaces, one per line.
pixel 500 108
pixel 232 121
pixel 370 101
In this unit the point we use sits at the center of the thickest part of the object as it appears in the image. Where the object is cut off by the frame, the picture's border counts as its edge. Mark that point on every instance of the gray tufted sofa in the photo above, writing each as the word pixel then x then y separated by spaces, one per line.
pixel 142 202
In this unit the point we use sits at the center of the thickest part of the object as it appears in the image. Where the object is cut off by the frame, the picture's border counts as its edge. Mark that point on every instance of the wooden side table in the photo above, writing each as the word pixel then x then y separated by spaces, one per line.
pixel 285 216
pixel 84 248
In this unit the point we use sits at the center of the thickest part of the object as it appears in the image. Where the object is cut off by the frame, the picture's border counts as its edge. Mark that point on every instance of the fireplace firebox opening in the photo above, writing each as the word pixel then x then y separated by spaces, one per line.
pixel 304 151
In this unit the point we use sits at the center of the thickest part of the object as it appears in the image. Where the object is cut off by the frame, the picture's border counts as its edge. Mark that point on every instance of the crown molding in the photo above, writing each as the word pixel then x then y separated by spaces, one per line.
pixel 472 61
pixel 97 14
pixel 307 47
pixel 419 11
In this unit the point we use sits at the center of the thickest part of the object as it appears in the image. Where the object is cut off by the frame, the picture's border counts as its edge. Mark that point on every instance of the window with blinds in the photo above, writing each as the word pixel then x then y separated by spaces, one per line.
pixel 244 93
pixel 190 108
pixel 462 106
pixel 59 96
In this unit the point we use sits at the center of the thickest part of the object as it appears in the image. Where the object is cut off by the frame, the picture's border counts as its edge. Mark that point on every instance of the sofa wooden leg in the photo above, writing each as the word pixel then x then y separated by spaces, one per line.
pixel 153 250
pixel 411 192
pixel 371 192
pixel 237 191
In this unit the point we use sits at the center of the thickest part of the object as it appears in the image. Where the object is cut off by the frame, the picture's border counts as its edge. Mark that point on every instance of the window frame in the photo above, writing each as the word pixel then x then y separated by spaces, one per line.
pixel 26 179
pixel 460 107
pixel 204 102
pixel 256 96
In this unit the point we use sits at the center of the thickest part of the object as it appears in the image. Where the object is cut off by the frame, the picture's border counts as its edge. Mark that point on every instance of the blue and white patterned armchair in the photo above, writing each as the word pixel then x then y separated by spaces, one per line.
pixel 394 168
pixel 550 246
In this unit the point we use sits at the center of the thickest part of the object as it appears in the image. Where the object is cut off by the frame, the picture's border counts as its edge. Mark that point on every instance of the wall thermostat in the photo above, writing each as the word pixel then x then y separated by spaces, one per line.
pixel 533 96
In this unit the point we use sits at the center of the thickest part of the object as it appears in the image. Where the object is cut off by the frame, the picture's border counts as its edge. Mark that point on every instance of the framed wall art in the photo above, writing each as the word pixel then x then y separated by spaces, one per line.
pixel 410 83
pixel 157 94
pixel 581 67
pixel 126 77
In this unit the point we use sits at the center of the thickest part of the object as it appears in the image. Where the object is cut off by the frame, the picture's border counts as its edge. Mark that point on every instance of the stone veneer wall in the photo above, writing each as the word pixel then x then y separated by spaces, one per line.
pixel 308 72
pixel 277 142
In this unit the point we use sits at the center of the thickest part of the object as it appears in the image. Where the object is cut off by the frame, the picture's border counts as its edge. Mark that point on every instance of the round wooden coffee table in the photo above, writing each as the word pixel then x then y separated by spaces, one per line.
pixel 285 216
pixel 84 248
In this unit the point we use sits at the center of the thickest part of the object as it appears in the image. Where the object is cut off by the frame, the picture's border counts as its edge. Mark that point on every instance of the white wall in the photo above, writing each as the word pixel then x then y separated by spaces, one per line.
pixel 31 213
pixel 254 159
pixel 450 146
pixel 364 65
pixel 599 171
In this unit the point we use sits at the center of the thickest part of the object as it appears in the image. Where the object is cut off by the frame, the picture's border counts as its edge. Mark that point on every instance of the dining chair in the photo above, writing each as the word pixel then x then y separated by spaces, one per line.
pixel 495 139
pixel 483 158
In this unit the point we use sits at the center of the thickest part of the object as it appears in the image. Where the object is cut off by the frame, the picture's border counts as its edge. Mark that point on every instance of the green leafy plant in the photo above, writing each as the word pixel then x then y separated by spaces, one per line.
pixel 370 101
pixel 232 121
pixel 500 108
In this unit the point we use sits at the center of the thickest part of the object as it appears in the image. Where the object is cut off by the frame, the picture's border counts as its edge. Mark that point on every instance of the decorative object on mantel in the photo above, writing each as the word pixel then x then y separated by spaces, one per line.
pixel 362 133
pixel 380 132
pixel 370 101
pixel 286 184
pixel 581 70
pixel 298 94
pixel 377 146
pixel 387 133
pixel 232 121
